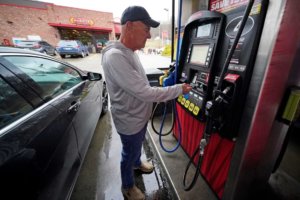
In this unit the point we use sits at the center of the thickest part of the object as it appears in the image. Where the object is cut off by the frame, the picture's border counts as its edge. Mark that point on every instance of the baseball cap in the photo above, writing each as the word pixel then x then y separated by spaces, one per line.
pixel 138 13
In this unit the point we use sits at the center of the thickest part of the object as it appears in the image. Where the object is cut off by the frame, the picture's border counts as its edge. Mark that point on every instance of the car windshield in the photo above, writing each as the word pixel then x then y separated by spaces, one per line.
pixel 65 43
pixel 27 43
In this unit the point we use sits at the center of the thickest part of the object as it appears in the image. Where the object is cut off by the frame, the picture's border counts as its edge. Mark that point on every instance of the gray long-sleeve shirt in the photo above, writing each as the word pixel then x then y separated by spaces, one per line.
pixel 131 95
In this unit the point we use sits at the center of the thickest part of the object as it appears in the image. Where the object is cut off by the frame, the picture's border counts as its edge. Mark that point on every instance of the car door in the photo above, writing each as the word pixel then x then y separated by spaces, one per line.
pixel 89 114
pixel 45 137
pixel 17 160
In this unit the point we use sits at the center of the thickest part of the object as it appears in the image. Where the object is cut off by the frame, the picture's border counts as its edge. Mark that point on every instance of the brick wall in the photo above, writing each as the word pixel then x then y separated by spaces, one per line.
pixel 20 21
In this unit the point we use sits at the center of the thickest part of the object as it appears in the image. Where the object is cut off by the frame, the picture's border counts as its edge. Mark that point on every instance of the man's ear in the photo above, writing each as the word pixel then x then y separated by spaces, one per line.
pixel 129 25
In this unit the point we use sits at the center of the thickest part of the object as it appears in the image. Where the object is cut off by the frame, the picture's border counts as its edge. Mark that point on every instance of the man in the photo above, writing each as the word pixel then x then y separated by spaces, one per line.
pixel 131 96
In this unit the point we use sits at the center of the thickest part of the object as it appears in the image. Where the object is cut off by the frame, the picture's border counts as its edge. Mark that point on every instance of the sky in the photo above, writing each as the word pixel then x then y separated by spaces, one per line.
pixel 156 8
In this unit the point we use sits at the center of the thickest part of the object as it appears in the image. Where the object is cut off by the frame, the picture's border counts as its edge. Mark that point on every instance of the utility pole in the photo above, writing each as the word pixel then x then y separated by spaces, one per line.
pixel 167 23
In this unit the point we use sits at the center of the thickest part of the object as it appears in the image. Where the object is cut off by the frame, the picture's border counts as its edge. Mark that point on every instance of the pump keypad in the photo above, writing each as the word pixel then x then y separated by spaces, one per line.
pixel 192 104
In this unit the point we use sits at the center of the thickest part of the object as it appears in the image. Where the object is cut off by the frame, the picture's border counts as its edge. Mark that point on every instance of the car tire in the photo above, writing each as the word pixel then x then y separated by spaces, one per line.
pixel 63 56
pixel 104 100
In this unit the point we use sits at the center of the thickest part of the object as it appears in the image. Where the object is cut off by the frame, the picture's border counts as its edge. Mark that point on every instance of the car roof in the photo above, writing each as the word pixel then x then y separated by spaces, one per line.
pixel 30 40
pixel 4 49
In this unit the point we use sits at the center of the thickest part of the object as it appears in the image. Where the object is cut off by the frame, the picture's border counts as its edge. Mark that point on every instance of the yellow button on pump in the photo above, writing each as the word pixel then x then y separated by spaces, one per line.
pixel 179 98
pixel 183 101
pixel 196 110
pixel 192 105
pixel 187 103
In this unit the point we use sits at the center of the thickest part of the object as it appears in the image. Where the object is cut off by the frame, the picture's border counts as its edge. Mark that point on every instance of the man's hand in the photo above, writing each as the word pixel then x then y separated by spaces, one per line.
pixel 186 88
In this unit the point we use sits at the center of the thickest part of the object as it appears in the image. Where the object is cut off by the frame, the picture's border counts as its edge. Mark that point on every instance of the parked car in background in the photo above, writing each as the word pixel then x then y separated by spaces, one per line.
pixel 39 46
pixel 72 48
pixel 49 110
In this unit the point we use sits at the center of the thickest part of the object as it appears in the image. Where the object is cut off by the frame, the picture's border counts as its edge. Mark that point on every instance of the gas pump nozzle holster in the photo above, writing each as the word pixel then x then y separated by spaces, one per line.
pixel 168 78
pixel 214 110
pixel 213 107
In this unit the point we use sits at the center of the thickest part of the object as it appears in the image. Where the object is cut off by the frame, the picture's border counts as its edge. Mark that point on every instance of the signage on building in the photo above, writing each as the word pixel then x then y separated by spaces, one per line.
pixel 81 21
pixel 34 37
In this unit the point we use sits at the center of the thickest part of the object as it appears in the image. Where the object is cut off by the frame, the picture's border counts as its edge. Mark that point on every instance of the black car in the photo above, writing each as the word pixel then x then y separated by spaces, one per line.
pixel 39 46
pixel 48 114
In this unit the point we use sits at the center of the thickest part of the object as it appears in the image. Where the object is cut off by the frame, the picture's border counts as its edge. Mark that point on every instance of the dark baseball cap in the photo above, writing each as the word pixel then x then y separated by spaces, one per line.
pixel 138 13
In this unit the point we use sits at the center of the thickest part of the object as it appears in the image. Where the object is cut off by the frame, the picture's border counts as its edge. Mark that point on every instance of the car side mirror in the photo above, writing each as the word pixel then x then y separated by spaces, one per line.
pixel 94 76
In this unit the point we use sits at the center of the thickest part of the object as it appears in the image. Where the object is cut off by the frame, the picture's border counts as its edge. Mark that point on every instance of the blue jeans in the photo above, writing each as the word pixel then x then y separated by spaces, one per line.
pixel 131 156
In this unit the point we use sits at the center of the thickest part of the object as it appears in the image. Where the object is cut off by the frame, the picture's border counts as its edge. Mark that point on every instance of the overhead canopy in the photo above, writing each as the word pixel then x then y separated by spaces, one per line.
pixel 103 29
pixel 117 27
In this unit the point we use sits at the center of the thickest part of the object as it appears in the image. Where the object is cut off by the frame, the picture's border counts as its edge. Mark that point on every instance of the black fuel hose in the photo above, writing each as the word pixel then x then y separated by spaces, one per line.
pixel 195 177
pixel 153 116
pixel 204 141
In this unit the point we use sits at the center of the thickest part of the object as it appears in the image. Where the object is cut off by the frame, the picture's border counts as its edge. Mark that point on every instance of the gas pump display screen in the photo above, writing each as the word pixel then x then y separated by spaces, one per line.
pixel 203 31
pixel 199 54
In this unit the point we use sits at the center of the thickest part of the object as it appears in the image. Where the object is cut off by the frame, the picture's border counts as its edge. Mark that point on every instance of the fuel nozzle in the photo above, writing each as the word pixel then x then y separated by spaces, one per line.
pixel 213 107
pixel 202 146
pixel 162 77
pixel 214 110
pixel 168 78
pixel 221 96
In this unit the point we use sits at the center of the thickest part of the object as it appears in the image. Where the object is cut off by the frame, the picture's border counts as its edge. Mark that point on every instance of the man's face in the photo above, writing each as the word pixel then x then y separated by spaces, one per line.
pixel 141 33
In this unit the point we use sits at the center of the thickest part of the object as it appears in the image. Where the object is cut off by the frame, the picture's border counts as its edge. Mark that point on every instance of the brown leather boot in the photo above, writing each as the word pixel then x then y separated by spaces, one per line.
pixel 145 167
pixel 133 193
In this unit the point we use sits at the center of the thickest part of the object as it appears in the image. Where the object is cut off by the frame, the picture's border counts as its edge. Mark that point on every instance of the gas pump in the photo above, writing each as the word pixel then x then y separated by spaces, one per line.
pixel 200 47
pixel 217 57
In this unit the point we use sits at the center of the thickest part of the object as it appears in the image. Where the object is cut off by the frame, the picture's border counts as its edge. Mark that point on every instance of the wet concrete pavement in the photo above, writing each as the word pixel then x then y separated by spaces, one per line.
pixel 99 178
pixel 100 175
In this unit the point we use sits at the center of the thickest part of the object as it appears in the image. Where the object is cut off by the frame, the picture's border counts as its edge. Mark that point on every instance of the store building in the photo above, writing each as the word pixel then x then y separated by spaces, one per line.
pixel 32 20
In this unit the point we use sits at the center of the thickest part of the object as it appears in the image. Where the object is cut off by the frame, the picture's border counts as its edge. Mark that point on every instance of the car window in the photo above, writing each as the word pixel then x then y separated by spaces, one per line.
pixel 12 105
pixel 44 43
pixel 52 77
pixel 70 43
